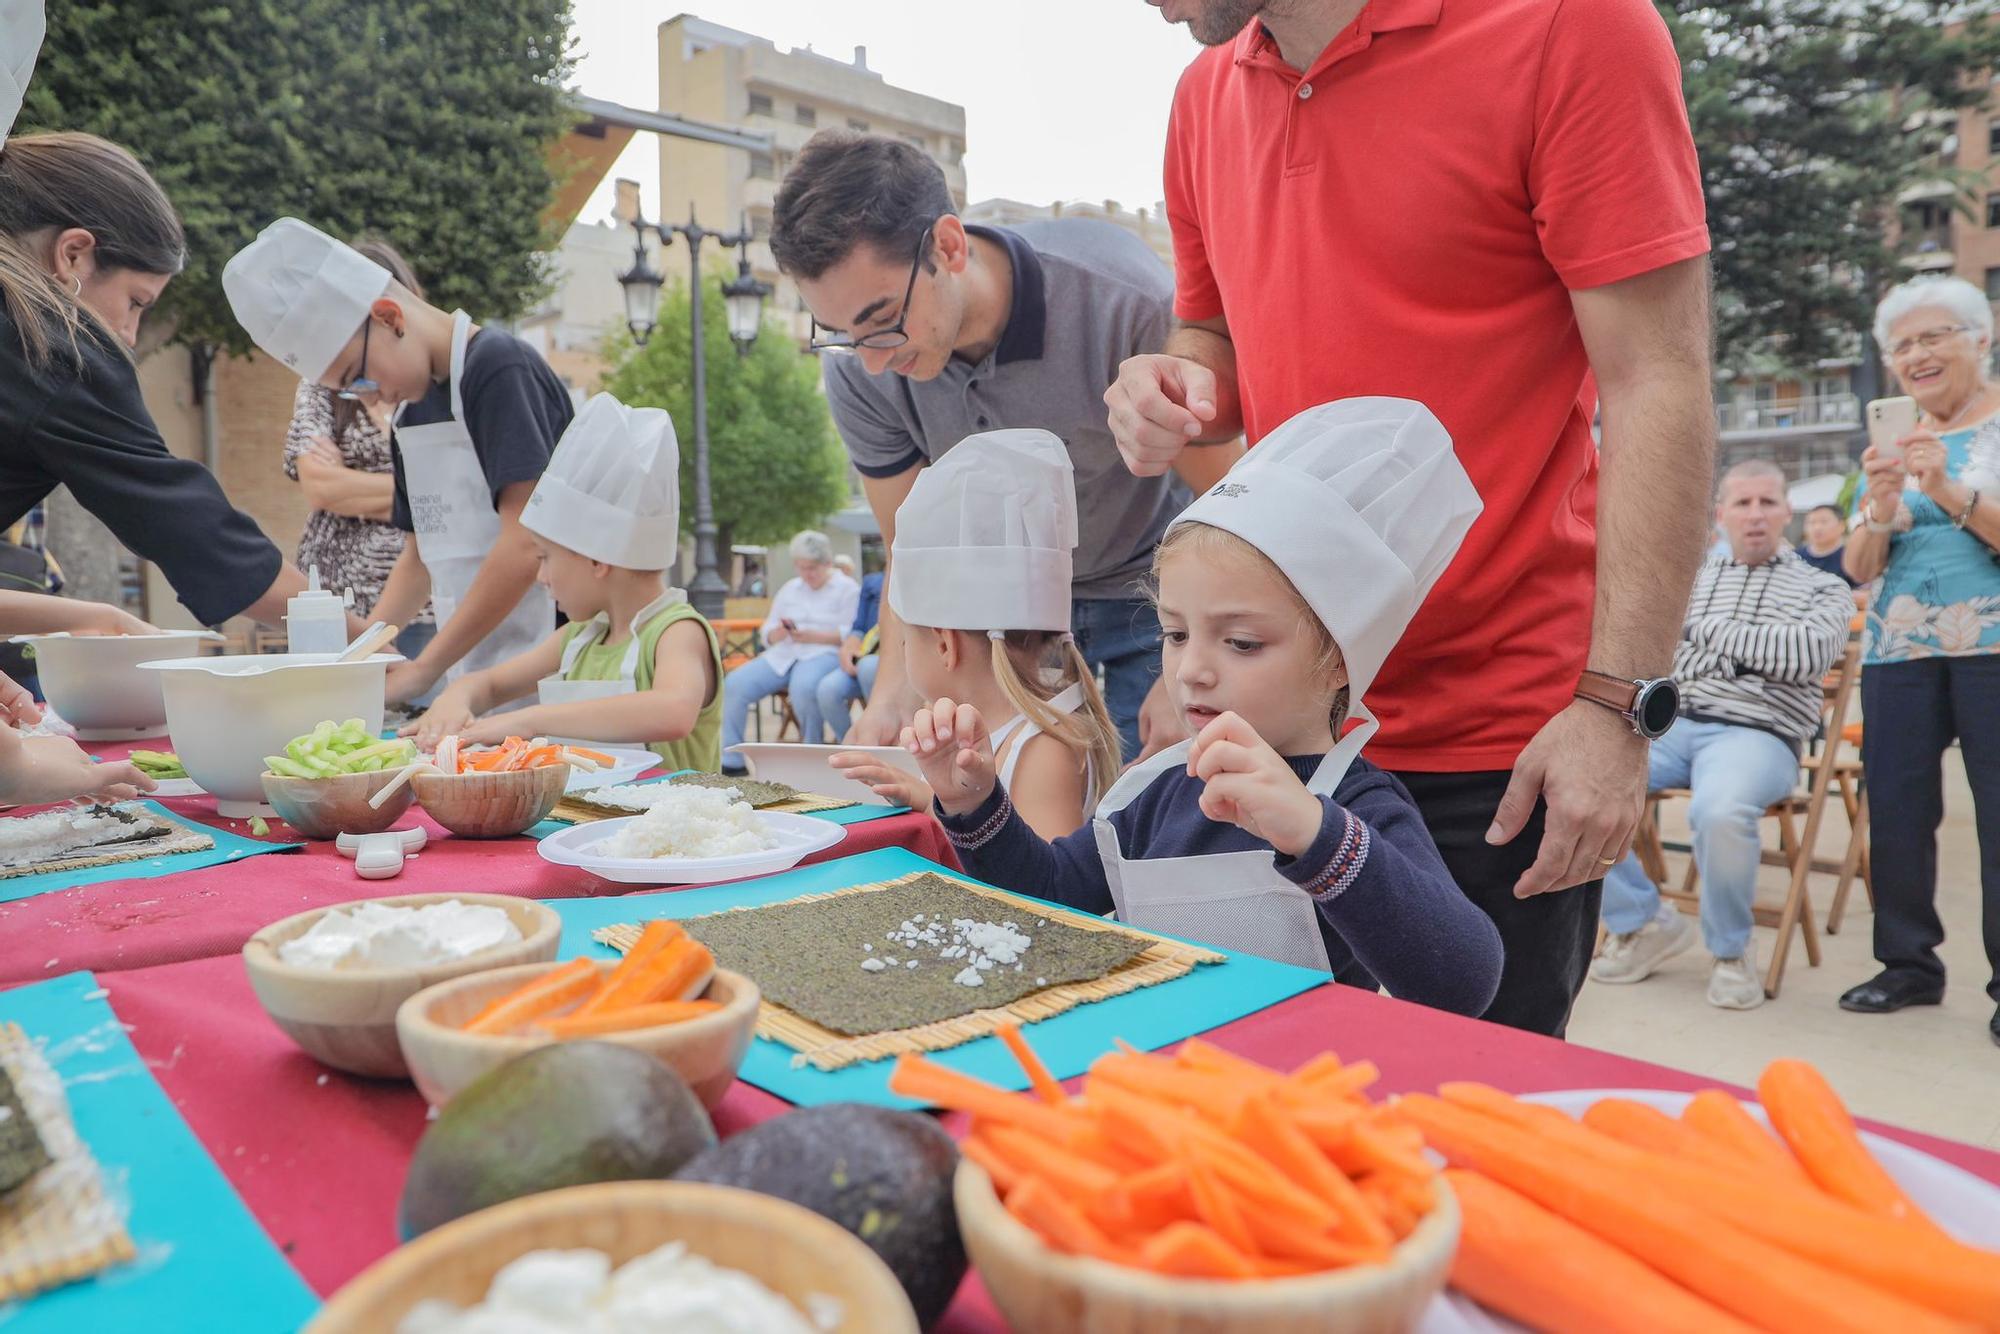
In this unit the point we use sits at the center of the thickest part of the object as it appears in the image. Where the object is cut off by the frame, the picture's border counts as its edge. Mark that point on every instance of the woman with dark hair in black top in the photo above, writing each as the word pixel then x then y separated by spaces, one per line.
pixel 87 242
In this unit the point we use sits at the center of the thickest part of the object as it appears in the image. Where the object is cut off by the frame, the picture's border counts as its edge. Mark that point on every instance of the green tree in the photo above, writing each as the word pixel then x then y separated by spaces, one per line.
pixel 424 121
pixel 1799 109
pixel 775 465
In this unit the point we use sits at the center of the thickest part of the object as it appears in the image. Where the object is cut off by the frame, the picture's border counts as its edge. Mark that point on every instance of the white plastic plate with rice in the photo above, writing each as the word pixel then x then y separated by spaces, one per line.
pixel 586 847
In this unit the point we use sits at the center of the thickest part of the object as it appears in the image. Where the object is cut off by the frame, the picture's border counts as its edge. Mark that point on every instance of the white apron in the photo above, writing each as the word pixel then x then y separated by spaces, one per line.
pixel 556 690
pixel 451 505
pixel 1236 900
pixel 1065 703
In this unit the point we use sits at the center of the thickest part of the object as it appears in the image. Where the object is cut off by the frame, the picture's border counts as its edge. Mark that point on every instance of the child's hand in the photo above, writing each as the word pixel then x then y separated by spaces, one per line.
pixel 493 729
pixel 450 714
pixel 886 780
pixel 17 706
pixel 1249 785
pixel 54 768
pixel 955 753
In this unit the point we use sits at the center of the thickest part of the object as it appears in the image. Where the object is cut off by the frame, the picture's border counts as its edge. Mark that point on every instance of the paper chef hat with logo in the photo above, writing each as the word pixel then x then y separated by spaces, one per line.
pixel 301 295
pixel 1362 504
pixel 612 490
pixel 21 30
pixel 983 540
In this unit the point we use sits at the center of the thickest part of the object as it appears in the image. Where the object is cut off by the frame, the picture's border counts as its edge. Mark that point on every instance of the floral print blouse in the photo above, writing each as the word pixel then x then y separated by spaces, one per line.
pixel 1940 594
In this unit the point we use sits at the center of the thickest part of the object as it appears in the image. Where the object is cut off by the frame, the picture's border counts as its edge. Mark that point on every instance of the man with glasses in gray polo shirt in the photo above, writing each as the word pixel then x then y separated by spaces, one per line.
pixel 949 330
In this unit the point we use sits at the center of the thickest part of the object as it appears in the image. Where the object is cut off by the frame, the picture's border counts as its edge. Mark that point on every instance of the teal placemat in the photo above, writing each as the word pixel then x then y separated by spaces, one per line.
pixel 203 1261
pixel 1150 1018
pixel 228 848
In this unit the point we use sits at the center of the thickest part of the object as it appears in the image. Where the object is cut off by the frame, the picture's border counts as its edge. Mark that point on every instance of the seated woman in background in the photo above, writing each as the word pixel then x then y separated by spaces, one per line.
pixel 802 637
pixel 337 450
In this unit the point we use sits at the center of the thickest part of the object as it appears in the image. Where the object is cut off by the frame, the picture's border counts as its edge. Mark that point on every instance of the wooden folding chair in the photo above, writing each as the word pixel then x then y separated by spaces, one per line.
pixel 1798 817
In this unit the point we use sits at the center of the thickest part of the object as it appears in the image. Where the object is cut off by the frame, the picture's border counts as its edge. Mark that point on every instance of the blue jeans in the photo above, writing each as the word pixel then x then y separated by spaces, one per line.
pixel 807 678
pixel 741 689
pixel 838 692
pixel 1734 772
pixel 1121 636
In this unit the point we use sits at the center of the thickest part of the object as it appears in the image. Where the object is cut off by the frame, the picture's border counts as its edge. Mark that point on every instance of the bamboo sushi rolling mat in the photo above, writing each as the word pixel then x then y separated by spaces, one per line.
pixel 1162 961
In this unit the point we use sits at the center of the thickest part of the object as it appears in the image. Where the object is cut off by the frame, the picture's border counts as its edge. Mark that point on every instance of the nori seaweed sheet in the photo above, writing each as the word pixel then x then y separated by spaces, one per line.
pixel 22 1153
pixel 753 790
pixel 807 956
pixel 140 827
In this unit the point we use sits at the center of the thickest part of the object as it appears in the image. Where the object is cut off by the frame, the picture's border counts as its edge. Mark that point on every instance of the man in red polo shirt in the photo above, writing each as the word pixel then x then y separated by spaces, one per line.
pixel 1493 208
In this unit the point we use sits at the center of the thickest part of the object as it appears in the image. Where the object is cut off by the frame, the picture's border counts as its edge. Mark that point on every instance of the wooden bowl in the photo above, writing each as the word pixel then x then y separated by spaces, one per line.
pixel 443 1058
pixel 790 1250
pixel 347 1017
pixel 1037 1288
pixel 492 805
pixel 330 807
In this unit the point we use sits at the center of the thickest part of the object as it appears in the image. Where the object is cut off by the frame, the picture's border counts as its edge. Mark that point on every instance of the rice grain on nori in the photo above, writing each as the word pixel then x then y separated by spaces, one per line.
pixel 29 840
pixel 811 958
pixel 22 1153
pixel 753 790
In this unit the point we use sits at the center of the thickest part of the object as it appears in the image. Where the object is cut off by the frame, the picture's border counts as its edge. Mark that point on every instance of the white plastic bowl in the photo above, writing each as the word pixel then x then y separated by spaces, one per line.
pixel 226 714
pixel 95 685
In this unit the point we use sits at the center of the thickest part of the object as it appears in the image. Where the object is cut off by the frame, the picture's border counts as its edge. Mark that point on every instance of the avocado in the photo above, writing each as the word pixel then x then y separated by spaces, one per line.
pixel 567 1114
pixel 884 1176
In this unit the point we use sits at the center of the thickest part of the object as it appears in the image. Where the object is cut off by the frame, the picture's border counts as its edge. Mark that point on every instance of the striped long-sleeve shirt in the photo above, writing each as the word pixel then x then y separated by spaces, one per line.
pixel 1758 640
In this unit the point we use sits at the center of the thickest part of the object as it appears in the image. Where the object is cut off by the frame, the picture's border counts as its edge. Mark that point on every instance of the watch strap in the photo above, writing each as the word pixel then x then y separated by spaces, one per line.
pixel 1614 693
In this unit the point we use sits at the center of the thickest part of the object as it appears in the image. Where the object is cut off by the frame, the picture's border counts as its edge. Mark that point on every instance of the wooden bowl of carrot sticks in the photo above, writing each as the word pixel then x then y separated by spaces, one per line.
pixel 1198 1193
pixel 666 998
pixel 346 1017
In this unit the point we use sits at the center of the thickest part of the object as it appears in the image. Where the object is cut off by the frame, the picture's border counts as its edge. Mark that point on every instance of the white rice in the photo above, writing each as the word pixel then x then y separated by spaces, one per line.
pixel 692 822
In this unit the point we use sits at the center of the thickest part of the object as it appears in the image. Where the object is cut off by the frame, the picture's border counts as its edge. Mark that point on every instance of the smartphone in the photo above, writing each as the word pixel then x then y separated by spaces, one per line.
pixel 790 625
pixel 1889 420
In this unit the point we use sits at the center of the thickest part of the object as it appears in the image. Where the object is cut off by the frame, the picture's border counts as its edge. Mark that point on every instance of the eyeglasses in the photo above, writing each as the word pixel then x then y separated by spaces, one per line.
pixel 1928 340
pixel 893 336
pixel 353 390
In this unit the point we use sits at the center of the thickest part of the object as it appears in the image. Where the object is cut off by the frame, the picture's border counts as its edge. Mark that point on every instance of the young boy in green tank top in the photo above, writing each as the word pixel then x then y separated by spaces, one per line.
pixel 636 663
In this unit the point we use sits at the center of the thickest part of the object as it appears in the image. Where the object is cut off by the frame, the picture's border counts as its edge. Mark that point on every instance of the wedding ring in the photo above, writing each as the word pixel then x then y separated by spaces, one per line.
pixel 1607 861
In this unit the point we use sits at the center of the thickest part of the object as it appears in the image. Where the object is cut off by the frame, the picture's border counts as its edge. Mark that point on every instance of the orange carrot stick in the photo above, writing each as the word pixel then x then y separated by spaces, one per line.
pixel 1650 1128
pixel 531 1000
pixel 980 1150
pixel 1045 1084
pixel 1813 1120
pixel 1195 1250
pixel 1161 1079
pixel 1219 1206
pixel 1721 1118
pixel 1543 1270
pixel 628 1018
pixel 1738 1271
pixel 1058 1222
pixel 1076 1176
pixel 924 1080
pixel 1267 1128
pixel 655 939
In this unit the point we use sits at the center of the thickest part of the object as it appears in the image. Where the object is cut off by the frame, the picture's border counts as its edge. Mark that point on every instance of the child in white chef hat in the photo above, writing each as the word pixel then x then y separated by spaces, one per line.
pixel 980 576
pixel 1280 593
pixel 636 663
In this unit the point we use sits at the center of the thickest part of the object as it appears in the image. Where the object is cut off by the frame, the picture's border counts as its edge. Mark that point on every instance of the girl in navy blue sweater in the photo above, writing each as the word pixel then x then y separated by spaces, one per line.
pixel 1280 593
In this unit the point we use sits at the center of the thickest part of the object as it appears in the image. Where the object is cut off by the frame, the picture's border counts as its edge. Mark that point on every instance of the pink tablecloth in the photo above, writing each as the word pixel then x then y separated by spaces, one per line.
pixel 119 924
pixel 319 1157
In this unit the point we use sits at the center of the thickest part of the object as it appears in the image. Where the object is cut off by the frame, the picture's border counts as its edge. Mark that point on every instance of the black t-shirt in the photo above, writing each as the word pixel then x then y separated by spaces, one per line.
pixel 515 411
pixel 87 428
pixel 1830 562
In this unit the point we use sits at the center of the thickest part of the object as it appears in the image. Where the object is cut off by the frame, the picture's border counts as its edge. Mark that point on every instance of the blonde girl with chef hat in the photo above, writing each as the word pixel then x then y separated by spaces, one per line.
pixel 636 663
pixel 980 576
pixel 1281 591
pixel 478 412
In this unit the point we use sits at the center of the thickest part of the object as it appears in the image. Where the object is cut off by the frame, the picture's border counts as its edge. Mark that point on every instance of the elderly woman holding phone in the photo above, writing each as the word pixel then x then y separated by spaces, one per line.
pixel 1930 530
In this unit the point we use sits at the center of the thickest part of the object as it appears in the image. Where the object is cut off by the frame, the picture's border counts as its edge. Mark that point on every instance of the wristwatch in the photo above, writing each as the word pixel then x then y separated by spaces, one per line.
pixel 1650 706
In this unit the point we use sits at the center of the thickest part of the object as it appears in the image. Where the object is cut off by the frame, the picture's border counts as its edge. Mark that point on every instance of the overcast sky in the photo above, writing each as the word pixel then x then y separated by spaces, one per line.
pixel 1064 99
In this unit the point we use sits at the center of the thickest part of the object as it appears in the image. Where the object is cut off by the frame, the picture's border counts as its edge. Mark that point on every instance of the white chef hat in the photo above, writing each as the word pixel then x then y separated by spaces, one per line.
pixel 983 540
pixel 22 26
pixel 612 488
pixel 1362 504
pixel 301 295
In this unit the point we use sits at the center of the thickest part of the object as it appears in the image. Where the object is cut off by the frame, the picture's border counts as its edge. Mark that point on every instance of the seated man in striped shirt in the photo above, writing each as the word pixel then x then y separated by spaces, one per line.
pixel 1762 630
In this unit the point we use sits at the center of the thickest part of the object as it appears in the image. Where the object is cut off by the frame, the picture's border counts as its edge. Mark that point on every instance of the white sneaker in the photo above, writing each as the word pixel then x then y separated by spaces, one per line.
pixel 1733 984
pixel 1631 956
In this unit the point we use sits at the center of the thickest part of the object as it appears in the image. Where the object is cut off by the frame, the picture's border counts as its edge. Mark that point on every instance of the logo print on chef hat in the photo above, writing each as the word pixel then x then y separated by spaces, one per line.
pixel 1230 490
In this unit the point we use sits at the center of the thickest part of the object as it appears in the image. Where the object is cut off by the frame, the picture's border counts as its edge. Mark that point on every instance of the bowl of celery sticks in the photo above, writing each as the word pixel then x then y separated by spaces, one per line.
pixel 325 782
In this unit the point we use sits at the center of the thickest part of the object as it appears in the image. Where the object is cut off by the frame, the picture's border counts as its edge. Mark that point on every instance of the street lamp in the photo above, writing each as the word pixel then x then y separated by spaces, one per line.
pixel 744 300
